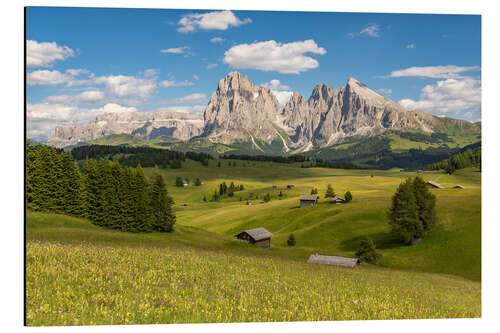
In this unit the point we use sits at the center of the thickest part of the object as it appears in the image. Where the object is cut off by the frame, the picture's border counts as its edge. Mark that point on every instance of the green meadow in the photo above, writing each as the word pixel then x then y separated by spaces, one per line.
pixel 78 273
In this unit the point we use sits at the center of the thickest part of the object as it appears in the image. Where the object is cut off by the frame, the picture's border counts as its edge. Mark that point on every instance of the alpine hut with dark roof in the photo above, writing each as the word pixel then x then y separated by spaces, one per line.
pixel 337 200
pixel 258 236
pixel 432 184
pixel 308 200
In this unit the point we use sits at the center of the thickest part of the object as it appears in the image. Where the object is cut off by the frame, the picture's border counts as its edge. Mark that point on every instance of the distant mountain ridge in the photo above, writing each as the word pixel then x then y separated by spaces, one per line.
pixel 242 114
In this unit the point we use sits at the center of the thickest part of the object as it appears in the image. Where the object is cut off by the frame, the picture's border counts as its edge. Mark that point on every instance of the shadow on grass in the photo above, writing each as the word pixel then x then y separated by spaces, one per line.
pixel 382 240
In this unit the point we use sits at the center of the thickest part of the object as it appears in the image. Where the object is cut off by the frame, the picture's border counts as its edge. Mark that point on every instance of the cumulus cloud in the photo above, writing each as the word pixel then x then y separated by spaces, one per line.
pixel 270 55
pixel 173 83
pixel 79 71
pixel 151 72
pixel 450 96
pixel 128 86
pixel 176 50
pixel 86 97
pixel 282 92
pixel 196 77
pixel 372 30
pixel 217 20
pixel 44 54
pixel 47 77
pixel 183 108
pixel 435 72
pixel 217 40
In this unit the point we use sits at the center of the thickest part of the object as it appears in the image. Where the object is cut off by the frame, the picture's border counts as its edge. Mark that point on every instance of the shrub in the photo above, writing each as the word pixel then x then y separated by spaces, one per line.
pixel 291 240
pixel 330 193
pixel 197 182
pixel 367 251
pixel 348 196
pixel 178 182
pixel 267 197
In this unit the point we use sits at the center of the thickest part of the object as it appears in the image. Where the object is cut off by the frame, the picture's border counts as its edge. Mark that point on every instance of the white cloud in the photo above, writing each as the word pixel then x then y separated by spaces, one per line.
pixel 210 66
pixel 435 72
pixel 76 72
pixel 173 83
pixel 282 92
pixel 455 96
pixel 113 108
pixel 372 30
pixel 176 50
pixel 128 86
pixel 86 97
pixel 217 20
pixel 217 40
pixel 186 109
pixel 270 55
pixel 47 77
pixel 44 54
pixel 411 46
pixel 192 98
pixel 151 72
pixel 385 91
pixel 196 77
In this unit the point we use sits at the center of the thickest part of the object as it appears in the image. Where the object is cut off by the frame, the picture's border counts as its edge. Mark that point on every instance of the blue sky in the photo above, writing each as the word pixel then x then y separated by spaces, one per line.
pixel 85 61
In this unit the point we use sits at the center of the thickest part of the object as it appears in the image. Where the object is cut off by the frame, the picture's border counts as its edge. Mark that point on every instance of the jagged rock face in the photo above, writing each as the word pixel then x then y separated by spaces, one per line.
pixel 179 125
pixel 241 111
pixel 331 115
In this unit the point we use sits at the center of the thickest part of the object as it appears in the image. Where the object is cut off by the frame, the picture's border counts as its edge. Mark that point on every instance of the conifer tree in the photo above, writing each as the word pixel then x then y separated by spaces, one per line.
pixel 330 193
pixel 161 205
pixel 403 214
pixel 426 203
pixel 142 211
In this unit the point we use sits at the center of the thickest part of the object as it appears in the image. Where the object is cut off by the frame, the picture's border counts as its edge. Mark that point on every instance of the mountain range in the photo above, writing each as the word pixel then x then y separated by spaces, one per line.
pixel 247 116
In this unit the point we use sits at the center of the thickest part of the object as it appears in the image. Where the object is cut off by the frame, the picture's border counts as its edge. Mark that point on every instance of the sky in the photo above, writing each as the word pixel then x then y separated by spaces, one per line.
pixel 82 62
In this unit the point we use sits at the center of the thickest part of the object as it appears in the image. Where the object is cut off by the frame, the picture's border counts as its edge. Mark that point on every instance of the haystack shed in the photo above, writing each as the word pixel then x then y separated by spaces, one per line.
pixel 458 186
pixel 258 236
pixel 334 260
pixel 308 200
pixel 432 184
pixel 337 200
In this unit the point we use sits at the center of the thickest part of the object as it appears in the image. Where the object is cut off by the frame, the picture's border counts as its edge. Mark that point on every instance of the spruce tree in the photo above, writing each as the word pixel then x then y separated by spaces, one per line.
pixel 161 205
pixel 426 203
pixel 348 196
pixel 330 193
pixel 179 182
pixel 142 212
pixel 403 214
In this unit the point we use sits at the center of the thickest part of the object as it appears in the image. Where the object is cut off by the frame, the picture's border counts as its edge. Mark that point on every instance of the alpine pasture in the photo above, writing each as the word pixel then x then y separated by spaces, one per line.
pixel 78 273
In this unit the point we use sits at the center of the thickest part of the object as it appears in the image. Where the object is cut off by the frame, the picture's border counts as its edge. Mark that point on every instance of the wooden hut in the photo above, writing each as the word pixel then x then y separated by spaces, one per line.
pixel 337 200
pixel 308 200
pixel 432 184
pixel 334 260
pixel 258 236
pixel 290 186
pixel 459 186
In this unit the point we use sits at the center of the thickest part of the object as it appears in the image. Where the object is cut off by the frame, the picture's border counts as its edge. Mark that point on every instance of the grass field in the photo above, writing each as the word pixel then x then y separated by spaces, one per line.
pixel 80 274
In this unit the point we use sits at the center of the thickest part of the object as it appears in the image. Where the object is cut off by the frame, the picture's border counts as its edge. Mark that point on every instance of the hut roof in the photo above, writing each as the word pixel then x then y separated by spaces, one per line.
pixel 333 260
pixel 337 199
pixel 309 197
pixel 434 184
pixel 458 186
pixel 259 233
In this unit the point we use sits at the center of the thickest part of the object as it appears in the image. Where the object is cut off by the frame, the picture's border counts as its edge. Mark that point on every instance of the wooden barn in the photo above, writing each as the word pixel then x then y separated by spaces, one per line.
pixel 334 260
pixel 258 236
pixel 432 184
pixel 459 186
pixel 308 200
pixel 337 200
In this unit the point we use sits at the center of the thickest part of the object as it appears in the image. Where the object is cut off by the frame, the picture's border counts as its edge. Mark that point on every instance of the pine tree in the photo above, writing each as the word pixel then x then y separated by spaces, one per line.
pixel 426 203
pixel 291 240
pixel 92 190
pixel 161 205
pixel 330 193
pixel 142 212
pixel 179 182
pixel 367 251
pixel 197 182
pixel 403 214
pixel 348 196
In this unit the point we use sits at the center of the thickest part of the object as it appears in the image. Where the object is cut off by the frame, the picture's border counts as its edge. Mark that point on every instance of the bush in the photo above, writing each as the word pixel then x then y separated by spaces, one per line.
pixel 314 191
pixel 178 182
pixel 291 240
pixel 197 182
pixel 267 197
pixel 348 196
pixel 367 251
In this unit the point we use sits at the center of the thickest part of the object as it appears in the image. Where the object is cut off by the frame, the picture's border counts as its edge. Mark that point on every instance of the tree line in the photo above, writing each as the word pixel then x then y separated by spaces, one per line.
pixel 145 156
pixel 466 159
pixel 105 192
pixel 267 158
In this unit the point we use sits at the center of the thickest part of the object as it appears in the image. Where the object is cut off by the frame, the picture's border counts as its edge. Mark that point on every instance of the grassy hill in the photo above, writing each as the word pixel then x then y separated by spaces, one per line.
pixel 79 274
